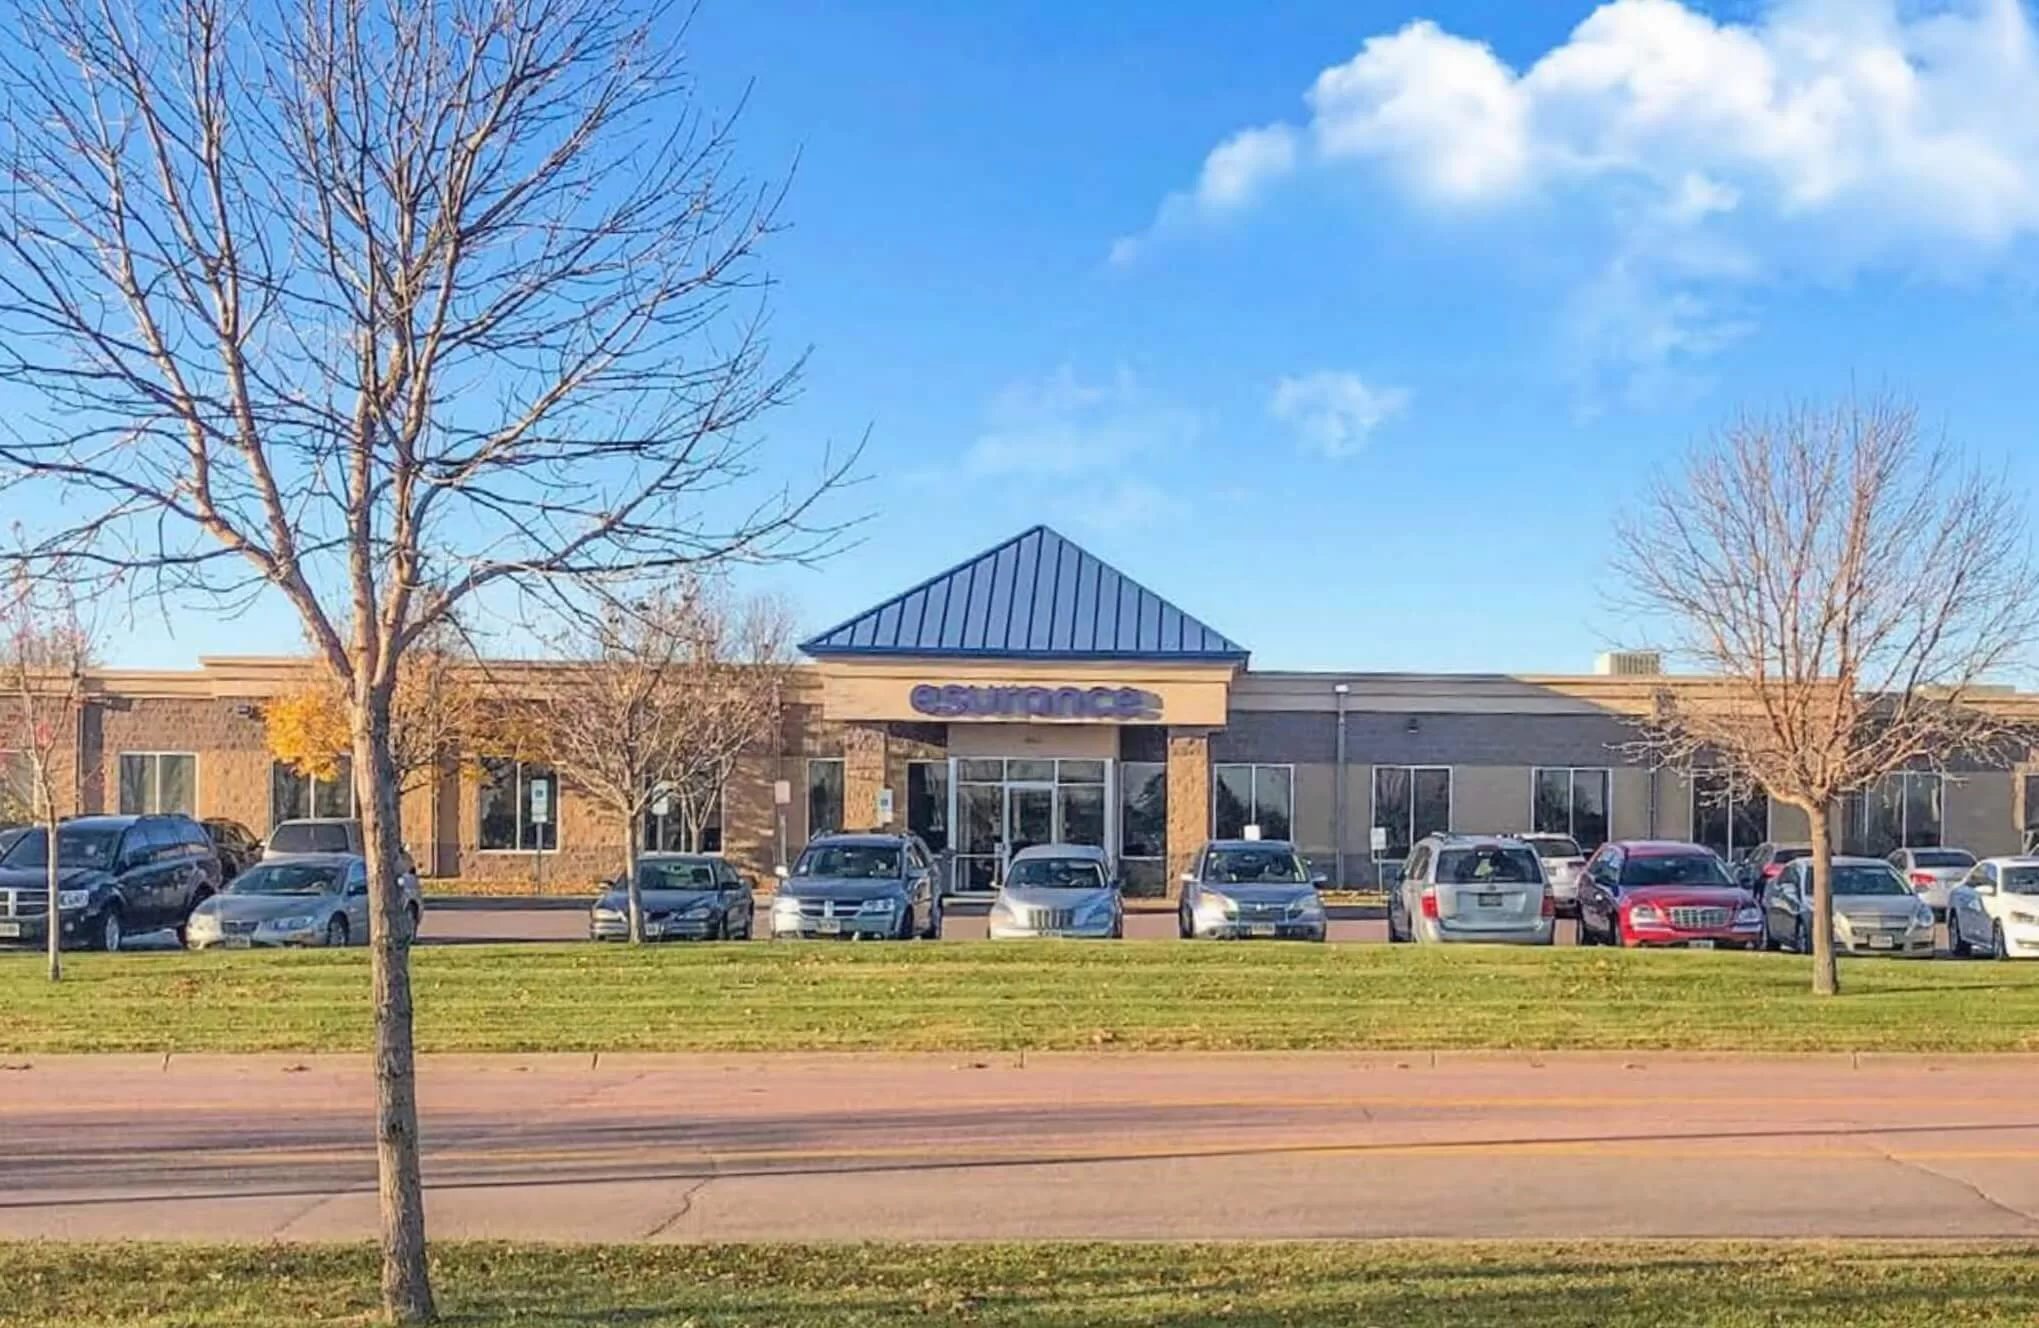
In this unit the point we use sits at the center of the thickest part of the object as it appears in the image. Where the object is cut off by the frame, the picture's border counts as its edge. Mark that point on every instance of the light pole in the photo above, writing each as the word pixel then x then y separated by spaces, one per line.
pixel 1339 691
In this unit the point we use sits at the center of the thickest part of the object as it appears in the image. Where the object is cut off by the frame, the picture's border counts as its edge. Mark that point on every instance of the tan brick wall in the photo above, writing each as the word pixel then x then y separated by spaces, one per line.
pixel 1189 800
pixel 1488 799
pixel 863 774
pixel 225 735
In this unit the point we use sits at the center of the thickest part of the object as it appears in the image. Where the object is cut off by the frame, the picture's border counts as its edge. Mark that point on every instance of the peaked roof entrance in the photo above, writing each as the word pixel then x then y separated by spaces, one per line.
pixel 1036 596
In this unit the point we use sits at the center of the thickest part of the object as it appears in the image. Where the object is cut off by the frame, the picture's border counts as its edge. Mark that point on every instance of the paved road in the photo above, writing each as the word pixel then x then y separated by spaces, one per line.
pixel 948 1147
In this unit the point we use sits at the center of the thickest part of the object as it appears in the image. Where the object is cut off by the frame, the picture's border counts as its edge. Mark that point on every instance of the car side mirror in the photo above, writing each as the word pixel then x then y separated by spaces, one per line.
pixel 1319 880
pixel 780 871
pixel 1189 878
pixel 1985 888
pixel 358 888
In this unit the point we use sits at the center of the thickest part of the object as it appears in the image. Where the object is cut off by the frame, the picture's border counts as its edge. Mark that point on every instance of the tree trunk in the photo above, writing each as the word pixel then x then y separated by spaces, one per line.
pixel 406 1280
pixel 631 888
pixel 1826 975
pixel 55 919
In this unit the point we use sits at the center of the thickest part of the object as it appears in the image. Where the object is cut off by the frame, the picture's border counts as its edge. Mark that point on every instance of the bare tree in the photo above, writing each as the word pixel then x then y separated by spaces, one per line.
pixel 48 649
pixel 391 309
pixel 655 702
pixel 1850 587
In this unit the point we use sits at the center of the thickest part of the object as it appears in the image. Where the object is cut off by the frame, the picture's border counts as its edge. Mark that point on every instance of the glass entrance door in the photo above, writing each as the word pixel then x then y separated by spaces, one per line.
pixel 1029 816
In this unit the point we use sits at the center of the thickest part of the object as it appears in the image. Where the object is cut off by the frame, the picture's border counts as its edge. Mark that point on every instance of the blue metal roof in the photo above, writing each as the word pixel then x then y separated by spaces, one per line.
pixel 1036 596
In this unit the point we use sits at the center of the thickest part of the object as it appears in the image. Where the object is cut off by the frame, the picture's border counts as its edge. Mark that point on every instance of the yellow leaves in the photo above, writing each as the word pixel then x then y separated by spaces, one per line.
pixel 307 730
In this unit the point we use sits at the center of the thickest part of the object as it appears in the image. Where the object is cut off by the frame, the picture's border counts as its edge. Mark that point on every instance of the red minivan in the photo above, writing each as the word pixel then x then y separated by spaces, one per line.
pixel 1663 892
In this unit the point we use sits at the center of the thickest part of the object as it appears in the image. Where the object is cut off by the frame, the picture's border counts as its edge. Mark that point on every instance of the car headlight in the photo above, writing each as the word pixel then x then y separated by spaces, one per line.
pixel 73 898
pixel 1922 916
pixel 789 907
pixel 1749 917
pixel 1218 906
pixel 1645 915
pixel 1307 907
pixel 203 920
pixel 296 922
pixel 697 910
pixel 2026 919
pixel 608 913
pixel 880 906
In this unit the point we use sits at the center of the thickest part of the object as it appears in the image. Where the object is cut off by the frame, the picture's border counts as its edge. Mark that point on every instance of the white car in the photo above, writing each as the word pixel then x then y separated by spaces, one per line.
pixel 1995 910
pixel 1563 863
pixel 1932 872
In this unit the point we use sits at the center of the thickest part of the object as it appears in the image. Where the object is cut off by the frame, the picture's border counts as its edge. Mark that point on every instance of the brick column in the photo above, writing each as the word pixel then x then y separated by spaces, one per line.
pixel 1189 801
pixel 863 775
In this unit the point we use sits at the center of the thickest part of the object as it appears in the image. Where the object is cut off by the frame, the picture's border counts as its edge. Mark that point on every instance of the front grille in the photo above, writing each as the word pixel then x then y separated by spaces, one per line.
pixel 1054 919
pixel 239 928
pixel 830 908
pixel 1699 919
pixel 27 903
pixel 1263 912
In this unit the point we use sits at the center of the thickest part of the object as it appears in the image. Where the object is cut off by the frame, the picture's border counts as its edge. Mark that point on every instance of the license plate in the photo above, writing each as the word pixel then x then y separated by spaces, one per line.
pixel 1489 899
pixel 1881 943
pixel 1700 945
pixel 828 927
pixel 235 942
pixel 10 929
pixel 1261 929
pixel 654 929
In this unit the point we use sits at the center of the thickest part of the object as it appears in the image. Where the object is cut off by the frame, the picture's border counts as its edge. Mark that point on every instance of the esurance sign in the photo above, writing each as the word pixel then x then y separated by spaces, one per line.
pixel 1118 705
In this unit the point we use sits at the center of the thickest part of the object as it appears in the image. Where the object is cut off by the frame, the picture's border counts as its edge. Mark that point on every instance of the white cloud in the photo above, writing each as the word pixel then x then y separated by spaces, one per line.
pixel 1334 412
pixel 1821 137
pixel 1088 451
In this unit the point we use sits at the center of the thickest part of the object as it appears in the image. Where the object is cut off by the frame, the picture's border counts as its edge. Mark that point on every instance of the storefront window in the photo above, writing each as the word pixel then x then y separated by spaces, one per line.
pixel 1901 810
pixel 824 796
pixel 1258 795
pixel 1410 802
pixel 519 804
pixel 665 826
pixel 158 782
pixel 293 796
pixel 927 802
pixel 1729 815
pixel 1143 827
pixel 1571 802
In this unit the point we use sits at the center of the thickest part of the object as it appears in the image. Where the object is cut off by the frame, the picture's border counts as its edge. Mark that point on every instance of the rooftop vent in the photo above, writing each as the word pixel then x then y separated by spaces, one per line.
pixel 1628 663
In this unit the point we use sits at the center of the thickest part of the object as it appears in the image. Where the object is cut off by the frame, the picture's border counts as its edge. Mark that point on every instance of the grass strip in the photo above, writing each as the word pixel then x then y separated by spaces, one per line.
pixel 1408 1285
pixel 967 996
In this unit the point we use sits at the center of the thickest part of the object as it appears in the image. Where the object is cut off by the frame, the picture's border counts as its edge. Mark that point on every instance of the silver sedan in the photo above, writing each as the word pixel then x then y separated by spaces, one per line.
pixel 1250 889
pixel 307 899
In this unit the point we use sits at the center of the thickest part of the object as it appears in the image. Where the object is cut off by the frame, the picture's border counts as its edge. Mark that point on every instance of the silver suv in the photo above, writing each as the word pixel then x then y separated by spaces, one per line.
pixel 1488 888
pixel 1250 888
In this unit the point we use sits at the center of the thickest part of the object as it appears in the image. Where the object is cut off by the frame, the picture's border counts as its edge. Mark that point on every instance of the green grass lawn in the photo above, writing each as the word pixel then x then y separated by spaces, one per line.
pixel 1404 1285
pixel 981 996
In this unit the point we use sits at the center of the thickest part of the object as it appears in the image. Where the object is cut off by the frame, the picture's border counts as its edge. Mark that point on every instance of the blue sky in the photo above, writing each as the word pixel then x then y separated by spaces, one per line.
pixel 1351 326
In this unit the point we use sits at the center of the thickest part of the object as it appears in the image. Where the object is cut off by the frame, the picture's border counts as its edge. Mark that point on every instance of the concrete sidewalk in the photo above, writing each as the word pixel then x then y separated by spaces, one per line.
pixel 961 1147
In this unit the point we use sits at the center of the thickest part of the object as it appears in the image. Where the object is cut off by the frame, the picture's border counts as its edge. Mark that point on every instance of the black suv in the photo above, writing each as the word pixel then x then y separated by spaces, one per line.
pixel 236 844
pixel 117 876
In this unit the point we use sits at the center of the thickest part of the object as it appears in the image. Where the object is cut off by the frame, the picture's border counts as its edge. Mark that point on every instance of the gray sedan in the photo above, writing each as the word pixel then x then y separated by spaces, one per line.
pixel 307 899
pixel 1875 911
pixel 691 896
pixel 1057 890
pixel 1250 888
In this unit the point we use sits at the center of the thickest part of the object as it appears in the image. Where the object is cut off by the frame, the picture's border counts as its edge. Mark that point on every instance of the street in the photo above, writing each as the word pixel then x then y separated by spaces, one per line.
pixel 1000 1146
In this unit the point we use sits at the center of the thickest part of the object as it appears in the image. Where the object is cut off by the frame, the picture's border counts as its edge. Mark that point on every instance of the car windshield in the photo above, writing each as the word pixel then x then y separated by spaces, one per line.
pixel 1673 869
pixel 1862 879
pixel 1941 857
pixel 1236 866
pixel 1488 866
pixel 2021 880
pixel 1554 848
pixel 1789 854
pixel 310 837
pixel 75 848
pixel 867 862
pixel 675 876
pixel 289 878
pixel 1057 874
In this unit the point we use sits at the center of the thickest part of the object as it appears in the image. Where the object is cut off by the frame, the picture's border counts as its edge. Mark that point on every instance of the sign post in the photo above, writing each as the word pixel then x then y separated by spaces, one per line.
pixel 782 797
pixel 1380 849
pixel 539 791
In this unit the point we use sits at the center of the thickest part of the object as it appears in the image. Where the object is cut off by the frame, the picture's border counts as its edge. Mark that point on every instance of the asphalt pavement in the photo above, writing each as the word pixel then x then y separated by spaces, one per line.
pixel 841 1147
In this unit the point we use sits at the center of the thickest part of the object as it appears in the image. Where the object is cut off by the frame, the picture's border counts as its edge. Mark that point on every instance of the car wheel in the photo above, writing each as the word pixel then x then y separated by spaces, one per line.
pixel 336 932
pixel 934 921
pixel 1801 938
pixel 1999 948
pixel 111 935
pixel 1182 923
pixel 1956 947
pixel 412 921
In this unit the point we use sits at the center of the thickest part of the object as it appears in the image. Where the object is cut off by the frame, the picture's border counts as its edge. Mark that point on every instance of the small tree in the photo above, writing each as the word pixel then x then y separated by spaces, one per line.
pixel 1848 586
pixel 654 701
pixel 48 649
pixel 434 712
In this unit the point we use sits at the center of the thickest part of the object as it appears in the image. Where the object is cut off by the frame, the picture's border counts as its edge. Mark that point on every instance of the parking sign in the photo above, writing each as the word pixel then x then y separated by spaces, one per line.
pixel 541 802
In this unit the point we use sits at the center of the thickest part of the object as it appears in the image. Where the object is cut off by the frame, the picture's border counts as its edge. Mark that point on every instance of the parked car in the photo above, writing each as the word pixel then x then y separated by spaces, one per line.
pixel 1995 910
pixel 328 834
pixel 1250 888
pixel 1932 872
pixel 1563 863
pixel 303 899
pixel 1755 872
pixel 1479 888
pixel 690 896
pixel 1650 892
pixel 1875 911
pixel 860 887
pixel 236 844
pixel 118 876
pixel 1057 890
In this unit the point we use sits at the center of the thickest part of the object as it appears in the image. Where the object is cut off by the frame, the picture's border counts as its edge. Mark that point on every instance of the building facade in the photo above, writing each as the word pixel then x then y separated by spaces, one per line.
pixel 1034 693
